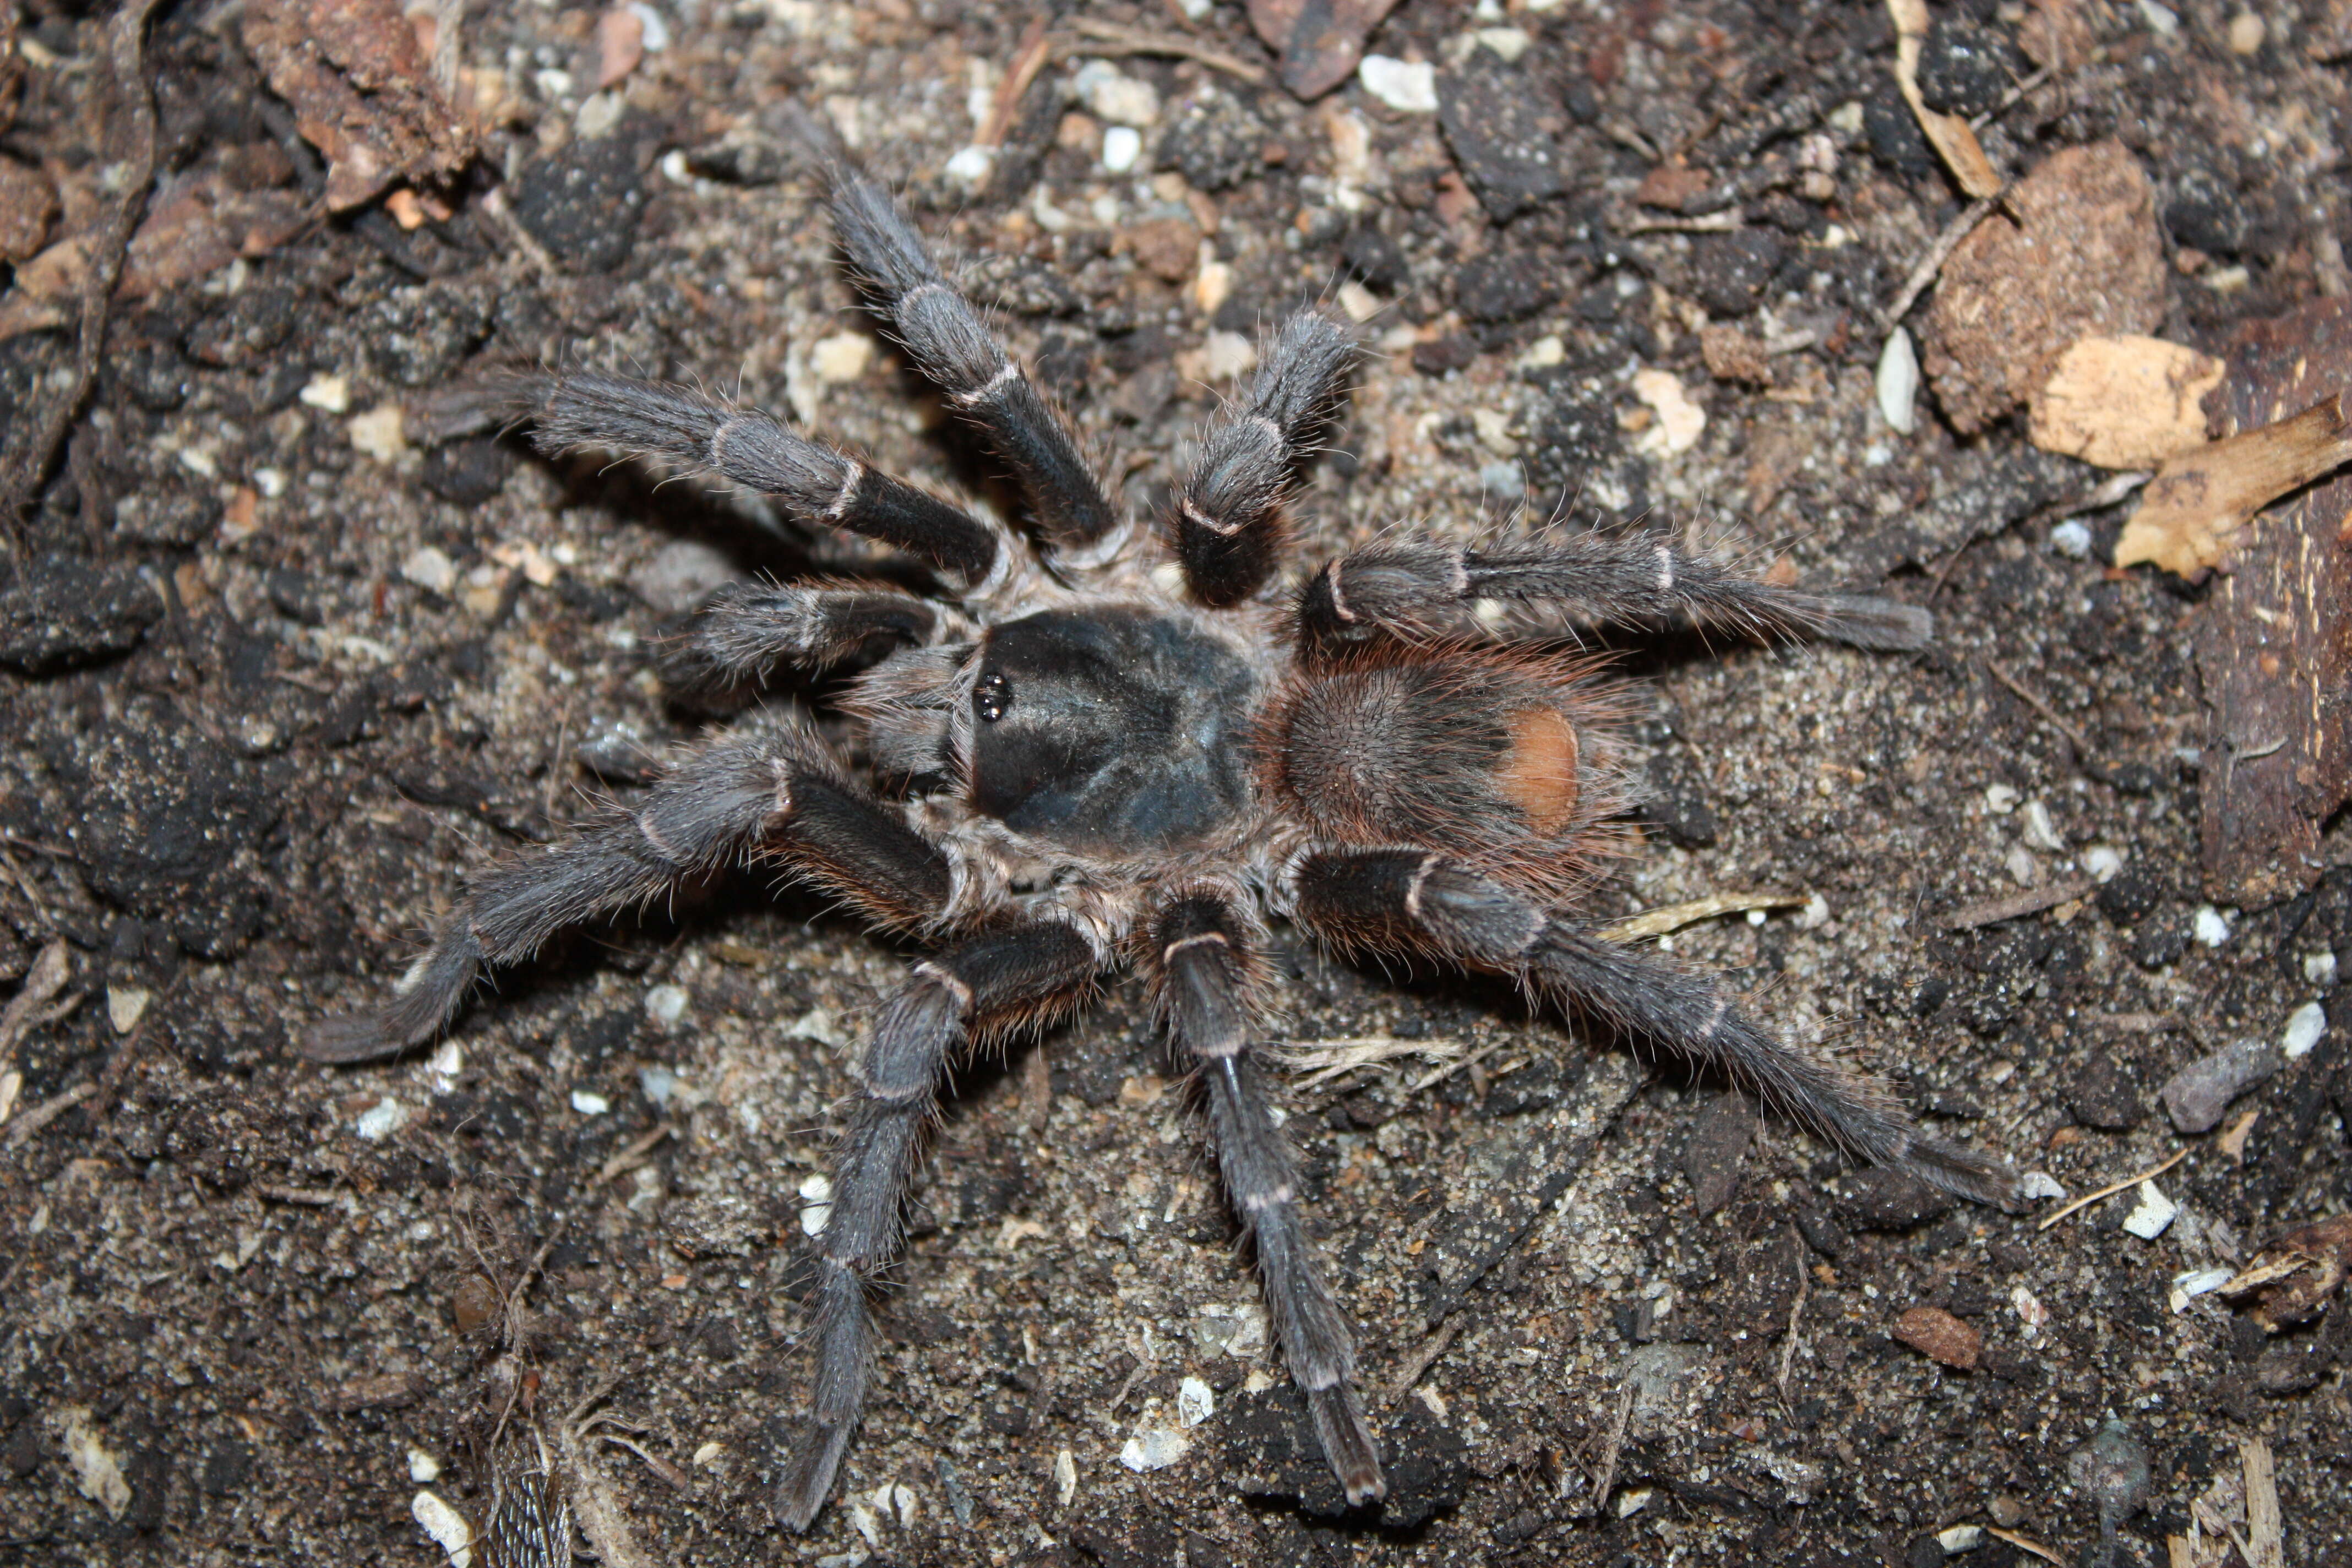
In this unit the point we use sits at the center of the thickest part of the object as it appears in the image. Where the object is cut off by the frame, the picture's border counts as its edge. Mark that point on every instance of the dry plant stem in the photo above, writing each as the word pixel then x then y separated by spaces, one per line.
pixel 126 63
pixel 2033 901
pixel 1114 37
pixel 1796 1316
pixel 1616 1446
pixel 1955 142
pixel 2088 1199
pixel 2032 699
pixel 44 980
pixel 2025 1544
pixel 1932 262
pixel 1028 59
pixel 48 1111
pixel 1422 1359
pixel 1670 918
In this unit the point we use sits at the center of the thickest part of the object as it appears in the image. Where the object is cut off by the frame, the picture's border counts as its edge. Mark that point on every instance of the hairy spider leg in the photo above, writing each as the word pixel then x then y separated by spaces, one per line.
pixel 1015 970
pixel 1418 591
pixel 1228 511
pixel 778 790
pixel 945 338
pixel 817 485
pixel 1413 901
pixel 746 629
pixel 1201 950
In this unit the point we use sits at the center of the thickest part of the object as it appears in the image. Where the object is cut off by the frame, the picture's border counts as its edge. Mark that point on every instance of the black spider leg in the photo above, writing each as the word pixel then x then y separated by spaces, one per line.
pixel 778 790
pixel 945 338
pixel 1411 900
pixel 1202 954
pixel 817 485
pixel 1010 971
pixel 1420 590
pixel 747 628
pixel 1228 510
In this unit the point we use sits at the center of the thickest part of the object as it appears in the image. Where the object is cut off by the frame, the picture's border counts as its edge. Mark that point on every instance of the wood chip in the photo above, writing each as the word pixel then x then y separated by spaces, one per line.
pixel 1939 1335
pixel 1947 133
pixel 2265 1526
pixel 2125 401
pixel 2033 901
pixel 2191 515
pixel 1669 917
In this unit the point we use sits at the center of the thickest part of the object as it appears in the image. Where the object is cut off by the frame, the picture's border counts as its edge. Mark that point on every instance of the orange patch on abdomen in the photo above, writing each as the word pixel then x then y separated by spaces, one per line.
pixel 1539 772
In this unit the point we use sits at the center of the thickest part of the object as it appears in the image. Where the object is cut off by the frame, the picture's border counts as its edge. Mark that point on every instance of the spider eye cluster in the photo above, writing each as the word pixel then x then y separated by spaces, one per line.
pixel 992 696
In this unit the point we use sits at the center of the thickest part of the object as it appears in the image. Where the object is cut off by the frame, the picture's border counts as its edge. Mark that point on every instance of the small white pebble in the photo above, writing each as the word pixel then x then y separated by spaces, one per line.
pixel 2022 868
pixel 331 393
pixel 125 1006
pixel 1756 917
pixel 590 1104
pixel 2072 539
pixel 423 1467
pixel 1225 355
pixel 817 1024
pixel 2102 863
pixel 2028 1308
pixel 1509 43
pixel 1065 1478
pixel 861 1517
pixel 2154 1213
pixel 2036 1185
pixel 1407 86
pixel 447 1526
pixel 705 1455
pixel 1153 1448
pixel 1194 1402
pixel 1432 1401
pixel 658 1083
pixel 2212 928
pixel 270 482
pixel 971 165
pixel 666 1005
pixel 1814 915
pixel 1679 422
pixel 2246 33
pixel 656 38
pixel 1632 1501
pixel 199 462
pixel 2000 799
pixel 1898 383
pixel 816 1202
pixel 1543 354
pixel 1114 97
pixel 2319 968
pixel 1361 304
pixel 2161 19
pixel 378 433
pixel 1960 1538
pixel 381 1120
pixel 1213 285
pixel 1122 147
pixel 2195 1283
pixel 842 358
pixel 430 568
pixel 2304 1026
pixel 2041 833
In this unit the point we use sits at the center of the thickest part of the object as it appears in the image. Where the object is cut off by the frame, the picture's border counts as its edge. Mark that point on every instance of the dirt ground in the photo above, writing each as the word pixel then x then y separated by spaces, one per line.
pixel 284 666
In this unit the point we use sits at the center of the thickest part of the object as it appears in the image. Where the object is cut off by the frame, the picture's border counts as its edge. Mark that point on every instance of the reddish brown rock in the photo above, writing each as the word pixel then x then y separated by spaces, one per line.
pixel 1937 1334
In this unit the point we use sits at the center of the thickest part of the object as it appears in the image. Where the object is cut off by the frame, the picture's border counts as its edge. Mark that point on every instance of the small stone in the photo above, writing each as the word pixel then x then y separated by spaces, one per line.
pixel 330 392
pixel 2000 799
pixel 588 1103
pixel 2319 968
pixel 2305 1026
pixel 382 1120
pixel 2007 1512
pixel 2195 1096
pixel 255 322
pixel 1213 140
pixel 666 1005
pixel 2101 1095
pixel 2113 1469
pixel 1169 247
pixel 1960 1538
pixel 2196 1282
pixel 1407 86
pixel 1502 134
pixel 468 473
pixel 1732 355
pixel 2072 539
pixel 1439 355
pixel 2152 1215
pixel 444 1524
pixel 423 1467
pixel 1729 272
pixel 2204 212
pixel 1114 97
pixel 60 611
pixel 379 431
pixel 583 201
pixel 1153 1447
pixel 1122 147
pixel 1939 1335
pixel 1880 1199
pixel 125 1006
pixel 2210 926
pixel 1194 1402
pixel 2123 897
pixel 2246 34
pixel 28 204
pixel 2040 832
pixel 816 1202
pixel 680 576
pixel 1966 67
pixel 843 358
pixel 430 568
pixel 1679 419
pixel 1065 1478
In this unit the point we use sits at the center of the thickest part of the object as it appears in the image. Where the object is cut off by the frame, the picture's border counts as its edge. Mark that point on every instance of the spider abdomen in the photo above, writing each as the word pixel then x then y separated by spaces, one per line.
pixel 1117 731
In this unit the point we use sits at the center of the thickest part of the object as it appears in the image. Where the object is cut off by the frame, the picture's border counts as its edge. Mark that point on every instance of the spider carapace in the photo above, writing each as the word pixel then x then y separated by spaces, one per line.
pixel 1096 745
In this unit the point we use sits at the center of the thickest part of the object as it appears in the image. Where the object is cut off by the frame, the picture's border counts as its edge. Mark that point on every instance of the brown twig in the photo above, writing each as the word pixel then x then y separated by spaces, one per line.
pixel 305 1197
pixel 1422 1359
pixel 2110 1189
pixel 1028 59
pixel 48 1111
pixel 1616 1446
pixel 2032 699
pixel 1796 1314
pixel 1932 261
pixel 2031 902
pixel 1117 38
pixel 126 63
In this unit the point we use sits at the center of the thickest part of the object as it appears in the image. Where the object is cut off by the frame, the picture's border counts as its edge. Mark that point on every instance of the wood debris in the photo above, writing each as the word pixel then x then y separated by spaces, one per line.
pixel 1948 134
pixel 2297 1274
pixel 362 93
pixel 1320 42
pixel 2190 516
pixel 2125 401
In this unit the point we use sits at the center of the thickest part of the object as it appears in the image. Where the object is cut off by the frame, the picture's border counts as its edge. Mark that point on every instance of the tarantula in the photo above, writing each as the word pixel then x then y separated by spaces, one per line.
pixel 1134 746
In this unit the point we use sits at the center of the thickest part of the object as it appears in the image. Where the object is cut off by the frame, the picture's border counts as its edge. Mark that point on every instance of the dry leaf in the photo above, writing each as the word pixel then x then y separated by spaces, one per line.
pixel 620 45
pixel 2190 516
pixel 1947 133
pixel 2126 402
